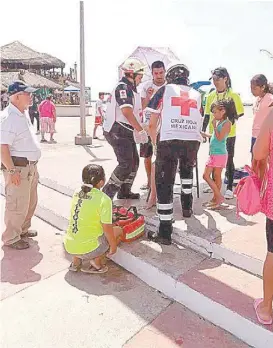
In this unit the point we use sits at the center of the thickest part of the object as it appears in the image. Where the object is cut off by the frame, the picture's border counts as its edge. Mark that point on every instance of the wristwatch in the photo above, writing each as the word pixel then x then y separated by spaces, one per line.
pixel 12 171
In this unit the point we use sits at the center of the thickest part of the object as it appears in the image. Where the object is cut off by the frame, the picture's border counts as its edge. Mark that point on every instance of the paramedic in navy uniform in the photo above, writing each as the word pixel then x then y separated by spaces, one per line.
pixel 177 107
pixel 122 129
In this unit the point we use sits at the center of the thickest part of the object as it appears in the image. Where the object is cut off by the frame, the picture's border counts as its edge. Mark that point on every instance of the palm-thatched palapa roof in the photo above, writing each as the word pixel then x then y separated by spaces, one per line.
pixel 20 56
pixel 7 77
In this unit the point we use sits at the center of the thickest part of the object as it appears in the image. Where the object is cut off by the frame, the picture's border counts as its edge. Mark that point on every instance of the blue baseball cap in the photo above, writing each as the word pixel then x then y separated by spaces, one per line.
pixel 20 86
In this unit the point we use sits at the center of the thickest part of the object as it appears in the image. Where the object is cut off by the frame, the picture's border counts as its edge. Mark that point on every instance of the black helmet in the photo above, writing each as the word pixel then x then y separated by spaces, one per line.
pixel 177 73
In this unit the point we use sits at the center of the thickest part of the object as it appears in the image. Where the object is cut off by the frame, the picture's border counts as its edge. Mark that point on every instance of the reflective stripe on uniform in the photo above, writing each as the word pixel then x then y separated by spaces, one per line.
pixel 186 181
pixel 167 206
pixel 186 191
pixel 186 186
pixel 114 180
pixel 163 217
pixel 131 178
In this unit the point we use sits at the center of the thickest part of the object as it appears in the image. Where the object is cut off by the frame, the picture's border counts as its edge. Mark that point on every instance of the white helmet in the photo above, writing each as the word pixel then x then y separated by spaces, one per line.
pixel 134 66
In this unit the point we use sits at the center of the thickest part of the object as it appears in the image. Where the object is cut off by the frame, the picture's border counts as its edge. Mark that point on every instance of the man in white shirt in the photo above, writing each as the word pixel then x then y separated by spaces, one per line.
pixel 146 150
pixel 20 152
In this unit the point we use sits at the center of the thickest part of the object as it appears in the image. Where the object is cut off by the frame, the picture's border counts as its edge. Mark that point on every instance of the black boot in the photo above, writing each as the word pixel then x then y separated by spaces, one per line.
pixel 186 203
pixel 187 213
pixel 125 192
pixel 164 234
pixel 155 237
pixel 129 195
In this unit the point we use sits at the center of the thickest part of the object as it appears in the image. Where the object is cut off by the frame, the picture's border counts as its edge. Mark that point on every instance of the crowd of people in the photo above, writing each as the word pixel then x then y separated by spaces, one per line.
pixel 166 119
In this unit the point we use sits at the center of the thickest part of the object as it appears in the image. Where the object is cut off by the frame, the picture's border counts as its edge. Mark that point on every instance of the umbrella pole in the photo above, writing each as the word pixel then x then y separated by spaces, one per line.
pixel 82 138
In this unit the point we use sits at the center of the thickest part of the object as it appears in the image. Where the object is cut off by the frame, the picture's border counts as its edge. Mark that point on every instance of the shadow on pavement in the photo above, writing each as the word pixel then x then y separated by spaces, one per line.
pixel 117 279
pixel 95 158
pixel 17 265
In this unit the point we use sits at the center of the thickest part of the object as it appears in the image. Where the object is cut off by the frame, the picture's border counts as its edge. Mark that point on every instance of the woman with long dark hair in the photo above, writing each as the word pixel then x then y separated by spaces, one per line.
pixel 260 88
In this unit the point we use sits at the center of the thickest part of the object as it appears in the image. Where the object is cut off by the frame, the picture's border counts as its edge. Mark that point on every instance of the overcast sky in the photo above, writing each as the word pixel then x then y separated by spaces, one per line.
pixel 204 34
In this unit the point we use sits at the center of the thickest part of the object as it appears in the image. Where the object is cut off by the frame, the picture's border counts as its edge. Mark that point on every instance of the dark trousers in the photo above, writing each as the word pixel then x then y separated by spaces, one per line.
pixel 169 154
pixel 124 146
pixel 230 168
pixel 35 114
pixel 4 104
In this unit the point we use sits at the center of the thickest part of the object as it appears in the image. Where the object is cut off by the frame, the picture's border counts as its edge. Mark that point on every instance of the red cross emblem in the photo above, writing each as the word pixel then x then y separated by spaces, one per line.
pixel 185 103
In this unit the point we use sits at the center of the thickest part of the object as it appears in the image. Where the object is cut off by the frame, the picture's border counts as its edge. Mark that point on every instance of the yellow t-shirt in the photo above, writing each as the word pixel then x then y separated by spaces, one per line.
pixel 86 219
pixel 229 94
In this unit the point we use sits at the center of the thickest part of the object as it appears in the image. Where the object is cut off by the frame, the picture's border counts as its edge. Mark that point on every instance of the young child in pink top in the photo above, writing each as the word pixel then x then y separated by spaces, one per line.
pixel 264 102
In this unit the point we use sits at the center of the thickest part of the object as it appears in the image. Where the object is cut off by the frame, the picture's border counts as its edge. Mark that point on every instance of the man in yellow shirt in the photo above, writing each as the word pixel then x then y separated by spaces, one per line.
pixel 222 82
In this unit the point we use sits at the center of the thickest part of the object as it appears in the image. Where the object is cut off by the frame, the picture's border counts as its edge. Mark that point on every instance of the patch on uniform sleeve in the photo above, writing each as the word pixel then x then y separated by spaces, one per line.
pixel 123 94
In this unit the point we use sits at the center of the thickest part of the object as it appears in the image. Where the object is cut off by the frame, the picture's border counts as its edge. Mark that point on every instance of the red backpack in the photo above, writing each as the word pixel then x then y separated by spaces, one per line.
pixel 131 222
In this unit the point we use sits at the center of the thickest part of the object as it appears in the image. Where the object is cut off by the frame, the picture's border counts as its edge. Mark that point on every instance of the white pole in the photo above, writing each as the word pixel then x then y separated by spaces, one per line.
pixel 82 138
pixel 82 72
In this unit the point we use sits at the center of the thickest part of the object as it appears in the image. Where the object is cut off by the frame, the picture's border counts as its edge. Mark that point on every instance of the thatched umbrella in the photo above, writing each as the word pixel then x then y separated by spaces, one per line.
pixel 7 77
pixel 18 56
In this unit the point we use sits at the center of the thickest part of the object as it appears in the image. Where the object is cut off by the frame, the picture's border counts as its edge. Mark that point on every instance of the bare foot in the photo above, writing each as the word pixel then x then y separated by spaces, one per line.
pixel 151 203
pixel 219 200
pixel 264 312
pixel 217 203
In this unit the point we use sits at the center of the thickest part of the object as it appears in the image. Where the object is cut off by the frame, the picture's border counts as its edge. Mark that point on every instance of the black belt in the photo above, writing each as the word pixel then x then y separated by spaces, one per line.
pixel 20 162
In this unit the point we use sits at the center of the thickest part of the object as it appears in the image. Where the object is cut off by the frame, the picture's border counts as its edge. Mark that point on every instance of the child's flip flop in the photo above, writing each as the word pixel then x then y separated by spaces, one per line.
pixel 256 304
pixel 150 207
pixel 93 270
pixel 215 207
pixel 207 204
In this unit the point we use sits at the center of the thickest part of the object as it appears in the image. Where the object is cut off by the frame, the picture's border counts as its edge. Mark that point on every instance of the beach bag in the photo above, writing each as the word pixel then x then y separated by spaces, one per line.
pixel 131 222
pixel 248 192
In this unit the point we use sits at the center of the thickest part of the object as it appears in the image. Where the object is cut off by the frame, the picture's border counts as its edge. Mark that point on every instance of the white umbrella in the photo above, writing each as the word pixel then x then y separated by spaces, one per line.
pixel 71 89
pixel 150 54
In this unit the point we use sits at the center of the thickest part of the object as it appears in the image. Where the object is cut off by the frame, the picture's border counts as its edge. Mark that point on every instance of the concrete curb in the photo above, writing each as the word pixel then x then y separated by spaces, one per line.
pixel 214 250
pixel 214 312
